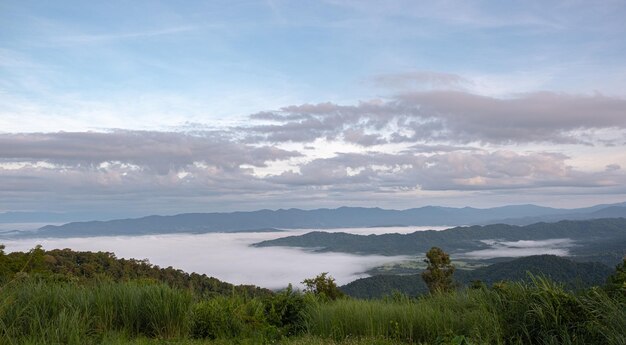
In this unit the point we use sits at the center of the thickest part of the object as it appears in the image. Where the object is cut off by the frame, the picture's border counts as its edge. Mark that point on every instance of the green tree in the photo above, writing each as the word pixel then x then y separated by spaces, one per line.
pixel 323 285
pixel 616 283
pixel 438 274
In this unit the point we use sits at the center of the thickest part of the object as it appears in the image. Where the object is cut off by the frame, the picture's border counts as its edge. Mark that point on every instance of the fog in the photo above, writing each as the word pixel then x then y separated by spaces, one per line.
pixel 229 257
pixel 501 249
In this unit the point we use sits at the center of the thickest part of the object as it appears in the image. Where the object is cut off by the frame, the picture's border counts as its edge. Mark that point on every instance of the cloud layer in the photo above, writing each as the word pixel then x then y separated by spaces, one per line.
pixel 413 144
pixel 273 268
pixel 451 116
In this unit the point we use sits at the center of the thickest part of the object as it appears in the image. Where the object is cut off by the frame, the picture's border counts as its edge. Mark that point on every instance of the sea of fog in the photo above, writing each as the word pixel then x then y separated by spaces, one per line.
pixel 229 256
pixel 514 249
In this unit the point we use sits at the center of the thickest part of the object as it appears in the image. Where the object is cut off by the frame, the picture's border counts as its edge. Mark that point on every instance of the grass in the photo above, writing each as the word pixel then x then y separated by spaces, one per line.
pixel 414 321
pixel 39 311
pixel 65 313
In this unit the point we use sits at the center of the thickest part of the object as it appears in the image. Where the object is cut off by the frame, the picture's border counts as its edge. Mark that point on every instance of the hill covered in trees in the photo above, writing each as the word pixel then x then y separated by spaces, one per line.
pixel 66 264
pixel 572 274
pixel 605 238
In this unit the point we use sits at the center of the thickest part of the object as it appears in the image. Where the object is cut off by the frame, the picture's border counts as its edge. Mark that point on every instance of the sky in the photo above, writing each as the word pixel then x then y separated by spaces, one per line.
pixel 164 107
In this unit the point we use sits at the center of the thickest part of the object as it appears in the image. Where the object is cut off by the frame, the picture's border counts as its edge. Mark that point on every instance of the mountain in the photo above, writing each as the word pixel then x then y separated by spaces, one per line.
pixel 572 274
pixel 17 217
pixel 589 238
pixel 601 211
pixel 343 217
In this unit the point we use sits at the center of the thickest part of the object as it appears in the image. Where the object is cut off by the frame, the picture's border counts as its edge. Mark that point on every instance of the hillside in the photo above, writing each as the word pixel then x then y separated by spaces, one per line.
pixel 572 274
pixel 589 234
pixel 66 264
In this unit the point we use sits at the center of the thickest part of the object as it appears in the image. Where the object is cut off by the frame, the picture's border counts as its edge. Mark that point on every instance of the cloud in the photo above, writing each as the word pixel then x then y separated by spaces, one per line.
pixel 433 143
pixel 458 170
pixel 555 246
pixel 450 117
pixel 188 171
pixel 161 152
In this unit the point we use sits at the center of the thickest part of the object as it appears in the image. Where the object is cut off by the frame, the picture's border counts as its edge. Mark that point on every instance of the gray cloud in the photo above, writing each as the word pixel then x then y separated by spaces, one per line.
pixel 450 116
pixel 459 171
pixel 433 142
pixel 158 151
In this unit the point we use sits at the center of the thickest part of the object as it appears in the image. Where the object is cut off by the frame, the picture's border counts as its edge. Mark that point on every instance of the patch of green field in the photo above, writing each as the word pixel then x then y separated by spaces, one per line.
pixel 417 265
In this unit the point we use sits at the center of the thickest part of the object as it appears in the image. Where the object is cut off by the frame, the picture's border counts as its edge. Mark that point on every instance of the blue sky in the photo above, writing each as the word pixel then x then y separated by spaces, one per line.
pixel 352 88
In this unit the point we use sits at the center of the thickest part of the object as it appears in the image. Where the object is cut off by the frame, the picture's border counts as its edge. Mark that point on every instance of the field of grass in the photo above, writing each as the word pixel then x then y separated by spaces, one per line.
pixel 47 311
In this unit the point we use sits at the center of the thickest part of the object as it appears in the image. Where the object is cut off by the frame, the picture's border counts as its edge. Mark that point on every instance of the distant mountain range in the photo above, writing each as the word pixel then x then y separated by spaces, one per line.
pixel 343 217
pixel 572 274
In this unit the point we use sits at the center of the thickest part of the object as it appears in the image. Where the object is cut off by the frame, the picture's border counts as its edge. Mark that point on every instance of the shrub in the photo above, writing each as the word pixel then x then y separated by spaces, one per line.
pixel 231 317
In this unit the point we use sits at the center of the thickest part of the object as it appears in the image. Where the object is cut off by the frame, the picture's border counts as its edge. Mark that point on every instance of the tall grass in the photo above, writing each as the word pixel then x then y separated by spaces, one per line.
pixel 424 320
pixel 65 313
pixel 541 312
pixel 230 317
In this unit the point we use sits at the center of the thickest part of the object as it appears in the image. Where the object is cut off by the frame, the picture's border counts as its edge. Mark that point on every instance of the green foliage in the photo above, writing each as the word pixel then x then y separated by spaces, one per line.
pixel 323 286
pixel 422 320
pixel 44 308
pixel 68 313
pixel 86 266
pixel 230 317
pixel 574 275
pixel 438 274
pixel 616 283
pixel 286 310
pixel 535 312
pixel 545 313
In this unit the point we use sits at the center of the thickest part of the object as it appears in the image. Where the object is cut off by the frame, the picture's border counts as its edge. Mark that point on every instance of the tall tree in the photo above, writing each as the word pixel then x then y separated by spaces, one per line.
pixel 324 286
pixel 438 274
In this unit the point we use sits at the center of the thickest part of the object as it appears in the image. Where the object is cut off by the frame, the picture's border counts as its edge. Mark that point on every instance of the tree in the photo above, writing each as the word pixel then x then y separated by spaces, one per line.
pixel 616 283
pixel 438 274
pixel 324 286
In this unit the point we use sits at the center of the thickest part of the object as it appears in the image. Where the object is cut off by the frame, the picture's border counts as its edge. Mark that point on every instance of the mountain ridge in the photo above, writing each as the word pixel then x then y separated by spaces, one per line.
pixel 342 217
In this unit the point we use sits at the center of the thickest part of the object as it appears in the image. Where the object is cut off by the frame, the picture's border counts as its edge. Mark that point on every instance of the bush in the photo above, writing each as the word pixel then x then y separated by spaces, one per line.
pixel 231 317
pixel 286 311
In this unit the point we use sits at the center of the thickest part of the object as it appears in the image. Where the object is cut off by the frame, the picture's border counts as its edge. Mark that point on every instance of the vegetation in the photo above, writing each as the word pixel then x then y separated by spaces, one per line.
pixel 58 308
pixel 323 286
pixel 573 275
pixel 438 273
pixel 616 283
pixel 86 266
